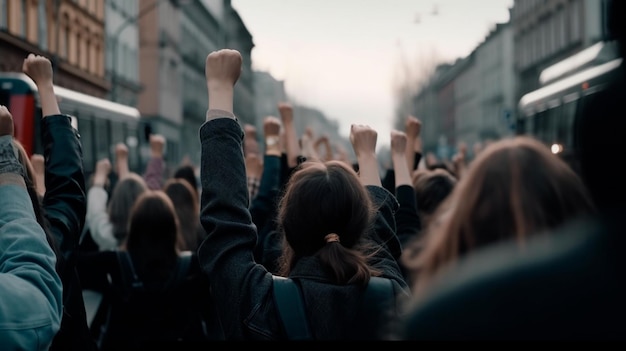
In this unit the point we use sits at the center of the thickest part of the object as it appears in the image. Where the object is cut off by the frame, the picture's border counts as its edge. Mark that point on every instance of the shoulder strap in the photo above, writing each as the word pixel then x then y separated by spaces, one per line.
pixel 378 290
pixel 377 299
pixel 130 279
pixel 291 308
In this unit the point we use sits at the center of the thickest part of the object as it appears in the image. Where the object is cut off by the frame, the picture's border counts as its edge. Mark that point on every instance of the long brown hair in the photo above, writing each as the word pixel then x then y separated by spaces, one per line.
pixel 322 199
pixel 153 236
pixel 187 208
pixel 124 196
pixel 515 188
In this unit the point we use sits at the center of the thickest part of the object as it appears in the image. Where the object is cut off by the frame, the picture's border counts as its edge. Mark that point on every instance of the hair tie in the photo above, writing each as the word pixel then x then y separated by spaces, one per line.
pixel 332 238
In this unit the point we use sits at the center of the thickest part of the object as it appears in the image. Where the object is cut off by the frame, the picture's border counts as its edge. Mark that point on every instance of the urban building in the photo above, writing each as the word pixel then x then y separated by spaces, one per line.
pixel 69 32
pixel 202 31
pixel 548 31
pixel 269 92
pixel 161 73
pixel 122 50
pixel 238 37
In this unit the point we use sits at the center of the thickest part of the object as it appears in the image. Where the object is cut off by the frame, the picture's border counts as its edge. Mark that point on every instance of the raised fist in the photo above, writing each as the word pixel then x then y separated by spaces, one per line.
pixel 413 127
pixel 363 139
pixel 121 151
pixel 157 144
pixel 286 112
pixel 398 142
pixel 223 67
pixel 249 131
pixel 103 167
pixel 6 122
pixel 271 126
pixel 38 68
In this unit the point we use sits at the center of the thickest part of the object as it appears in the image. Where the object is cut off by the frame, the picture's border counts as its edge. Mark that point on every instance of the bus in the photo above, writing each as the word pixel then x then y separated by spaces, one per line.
pixel 549 113
pixel 101 123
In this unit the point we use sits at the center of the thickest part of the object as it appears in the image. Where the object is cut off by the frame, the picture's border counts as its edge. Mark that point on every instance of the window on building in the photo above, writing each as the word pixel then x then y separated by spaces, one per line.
pixel 42 23
pixel 575 22
pixel 3 14
pixel 24 19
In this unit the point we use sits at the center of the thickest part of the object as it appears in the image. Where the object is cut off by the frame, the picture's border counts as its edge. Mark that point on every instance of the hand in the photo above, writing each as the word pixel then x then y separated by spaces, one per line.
pixel 363 139
pixel 271 126
pixel 103 168
pixel 286 112
pixel 223 68
pixel 398 142
pixel 249 131
pixel 6 122
pixel 413 127
pixel 121 151
pixel 39 69
pixel 157 144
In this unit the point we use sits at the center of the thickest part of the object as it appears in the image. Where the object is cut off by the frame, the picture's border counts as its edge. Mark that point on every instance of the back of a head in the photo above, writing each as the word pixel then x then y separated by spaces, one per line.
pixel 515 188
pixel 153 233
pixel 322 199
pixel 185 202
pixel 187 173
pixel 124 195
pixel 431 189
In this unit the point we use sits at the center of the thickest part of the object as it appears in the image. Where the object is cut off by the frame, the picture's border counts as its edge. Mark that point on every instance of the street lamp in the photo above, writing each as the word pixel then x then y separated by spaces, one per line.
pixel 120 29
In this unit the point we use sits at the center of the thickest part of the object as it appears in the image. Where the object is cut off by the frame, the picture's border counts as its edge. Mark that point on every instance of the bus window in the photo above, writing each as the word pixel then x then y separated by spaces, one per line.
pixel 87 140
pixel 102 142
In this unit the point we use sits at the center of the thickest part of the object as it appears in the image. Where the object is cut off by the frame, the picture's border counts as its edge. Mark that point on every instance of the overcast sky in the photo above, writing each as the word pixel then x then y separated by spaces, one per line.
pixel 342 56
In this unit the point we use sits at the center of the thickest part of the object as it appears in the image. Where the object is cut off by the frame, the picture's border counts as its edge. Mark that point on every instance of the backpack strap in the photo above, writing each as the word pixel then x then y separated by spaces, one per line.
pixel 291 308
pixel 377 299
pixel 130 279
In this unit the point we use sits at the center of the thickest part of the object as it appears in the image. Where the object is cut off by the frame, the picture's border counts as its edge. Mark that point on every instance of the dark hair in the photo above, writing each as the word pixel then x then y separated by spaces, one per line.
pixel 187 208
pixel 431 189
pixel 153 236
pixel 125 193
pixel 321 199
pixel 187 173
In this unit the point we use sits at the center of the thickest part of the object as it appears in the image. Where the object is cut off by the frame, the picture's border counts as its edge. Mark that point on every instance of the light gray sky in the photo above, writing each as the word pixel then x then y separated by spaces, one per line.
pixel 341 56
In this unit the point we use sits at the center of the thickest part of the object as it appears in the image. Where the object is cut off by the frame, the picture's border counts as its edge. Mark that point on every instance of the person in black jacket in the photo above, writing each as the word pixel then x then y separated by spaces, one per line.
pixel 63 204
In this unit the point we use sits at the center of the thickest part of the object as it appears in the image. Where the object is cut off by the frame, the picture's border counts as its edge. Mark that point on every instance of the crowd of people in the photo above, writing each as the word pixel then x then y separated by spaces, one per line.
pixel 512 244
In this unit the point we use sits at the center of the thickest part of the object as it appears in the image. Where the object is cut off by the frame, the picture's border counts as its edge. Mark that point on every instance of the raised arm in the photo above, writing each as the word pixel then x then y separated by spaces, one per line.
pixel 156 166
pixel 413 128
pixel 407 219
pixel 363 140
pixel 291 136
pixel 121 161
pixel 65 200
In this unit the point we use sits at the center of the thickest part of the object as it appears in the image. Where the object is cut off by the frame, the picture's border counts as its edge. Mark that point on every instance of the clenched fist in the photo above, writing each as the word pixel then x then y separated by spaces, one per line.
pixel 398 142
pixel 121 151
pixel 271 126
pixel 38 68
pixel 223 68
pixel 286 112
pixel 363 139
pixel 413 127
pixel 157 144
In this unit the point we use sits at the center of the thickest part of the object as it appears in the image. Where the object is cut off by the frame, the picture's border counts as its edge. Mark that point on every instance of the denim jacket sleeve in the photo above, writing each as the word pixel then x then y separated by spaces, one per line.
pixel 65 202
pixel 30 289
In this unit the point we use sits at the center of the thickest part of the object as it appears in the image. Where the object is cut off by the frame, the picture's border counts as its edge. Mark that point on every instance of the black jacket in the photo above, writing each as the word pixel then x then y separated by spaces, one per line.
pixel 64 205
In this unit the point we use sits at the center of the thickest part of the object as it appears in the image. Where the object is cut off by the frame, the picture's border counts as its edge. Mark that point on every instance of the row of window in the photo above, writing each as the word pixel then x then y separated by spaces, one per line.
pixel 555 33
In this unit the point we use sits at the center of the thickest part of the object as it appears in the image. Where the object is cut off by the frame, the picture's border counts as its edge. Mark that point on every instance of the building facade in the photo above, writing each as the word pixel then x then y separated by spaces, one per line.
pixel 160 72
pixel 547 31
pixel 69 32
pixel 122 54
pixel 203 34
pixel 238 37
